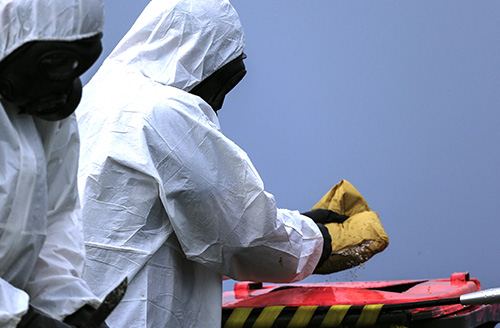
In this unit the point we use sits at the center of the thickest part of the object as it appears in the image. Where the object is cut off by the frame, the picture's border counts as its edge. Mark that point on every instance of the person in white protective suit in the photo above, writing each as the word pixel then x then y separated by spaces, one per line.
pixel 167 200
pixel 45 45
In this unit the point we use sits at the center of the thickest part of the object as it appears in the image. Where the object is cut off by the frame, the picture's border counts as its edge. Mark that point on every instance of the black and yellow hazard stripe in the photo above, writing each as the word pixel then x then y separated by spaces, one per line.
pixel 302 316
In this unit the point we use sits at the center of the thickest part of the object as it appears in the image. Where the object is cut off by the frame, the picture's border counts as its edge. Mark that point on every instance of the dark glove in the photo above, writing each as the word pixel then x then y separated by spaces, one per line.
pixel 325 216
pixel 321 217
pixel 83 318
pixel 36 319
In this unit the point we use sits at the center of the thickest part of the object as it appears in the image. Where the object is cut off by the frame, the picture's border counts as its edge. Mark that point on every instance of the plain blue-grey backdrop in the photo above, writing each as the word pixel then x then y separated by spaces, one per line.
pixel 401 98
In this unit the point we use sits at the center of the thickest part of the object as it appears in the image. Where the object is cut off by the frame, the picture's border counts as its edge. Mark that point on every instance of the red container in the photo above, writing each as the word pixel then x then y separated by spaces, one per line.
pixel 387 304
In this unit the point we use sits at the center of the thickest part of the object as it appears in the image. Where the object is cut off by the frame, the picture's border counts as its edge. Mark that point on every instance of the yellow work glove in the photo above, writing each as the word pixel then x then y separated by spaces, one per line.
pixel 356 232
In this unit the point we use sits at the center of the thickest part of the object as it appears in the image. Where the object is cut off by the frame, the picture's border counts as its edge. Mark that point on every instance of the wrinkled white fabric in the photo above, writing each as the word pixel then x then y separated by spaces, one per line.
pixel 14 304
pixel 179 43
pixel 41 241
pixel 168 201
pixel 22 21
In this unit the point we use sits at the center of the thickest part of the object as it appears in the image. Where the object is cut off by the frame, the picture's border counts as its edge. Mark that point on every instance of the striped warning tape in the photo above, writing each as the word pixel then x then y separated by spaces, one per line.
pixel 302 316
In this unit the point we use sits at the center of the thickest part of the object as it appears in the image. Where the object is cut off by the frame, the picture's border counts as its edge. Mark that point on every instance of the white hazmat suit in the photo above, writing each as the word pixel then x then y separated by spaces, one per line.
pixel 167 199
pixel 41 241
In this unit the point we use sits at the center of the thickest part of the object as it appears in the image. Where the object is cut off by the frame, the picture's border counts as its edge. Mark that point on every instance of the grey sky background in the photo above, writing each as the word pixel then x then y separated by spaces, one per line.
pixel 401 98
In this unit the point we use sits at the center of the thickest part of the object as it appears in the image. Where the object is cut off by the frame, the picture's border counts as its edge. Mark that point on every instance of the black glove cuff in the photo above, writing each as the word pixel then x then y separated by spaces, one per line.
pixel 327 245
pixel 324 216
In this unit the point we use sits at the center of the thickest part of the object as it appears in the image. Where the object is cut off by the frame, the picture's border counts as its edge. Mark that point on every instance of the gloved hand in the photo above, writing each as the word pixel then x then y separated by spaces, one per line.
pixel 82 318
pixel 321 216
pixel 36 319
pixel 356 233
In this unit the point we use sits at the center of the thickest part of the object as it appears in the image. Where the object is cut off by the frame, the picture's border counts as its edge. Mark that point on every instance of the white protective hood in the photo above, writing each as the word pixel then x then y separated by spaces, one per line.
pixel 169 201
pixel 22 21
pixel 180 43
pixel 41 246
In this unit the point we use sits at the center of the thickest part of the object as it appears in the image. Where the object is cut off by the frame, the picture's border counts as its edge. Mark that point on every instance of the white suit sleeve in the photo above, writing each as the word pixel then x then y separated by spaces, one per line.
pixel 13 304
pixel 220 212
pixel 56 286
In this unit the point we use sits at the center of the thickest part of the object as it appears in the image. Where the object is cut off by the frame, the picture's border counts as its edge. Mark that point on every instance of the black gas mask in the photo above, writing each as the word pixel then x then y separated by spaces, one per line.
pixel 41 78
pixel 215 87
